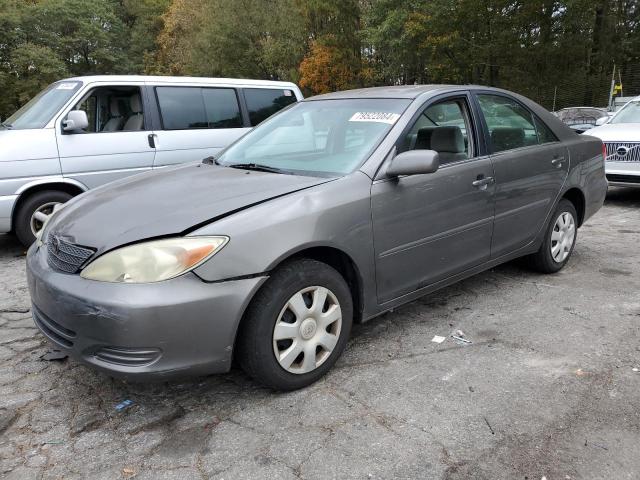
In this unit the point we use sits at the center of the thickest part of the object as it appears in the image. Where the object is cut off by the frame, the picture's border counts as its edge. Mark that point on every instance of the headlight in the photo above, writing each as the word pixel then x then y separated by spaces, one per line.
pixel 153 261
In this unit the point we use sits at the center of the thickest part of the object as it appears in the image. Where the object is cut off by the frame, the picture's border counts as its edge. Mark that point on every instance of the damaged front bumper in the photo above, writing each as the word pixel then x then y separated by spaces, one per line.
pixel 153 331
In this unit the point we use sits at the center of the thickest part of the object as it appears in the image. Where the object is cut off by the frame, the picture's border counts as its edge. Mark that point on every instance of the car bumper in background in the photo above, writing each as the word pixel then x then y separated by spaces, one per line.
pixel 623 173
pixel 154 331
pixel 7 203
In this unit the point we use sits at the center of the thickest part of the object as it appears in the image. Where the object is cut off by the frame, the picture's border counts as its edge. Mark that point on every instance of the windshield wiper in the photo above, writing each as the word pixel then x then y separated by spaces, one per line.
pixel 256 167
pixel 8 126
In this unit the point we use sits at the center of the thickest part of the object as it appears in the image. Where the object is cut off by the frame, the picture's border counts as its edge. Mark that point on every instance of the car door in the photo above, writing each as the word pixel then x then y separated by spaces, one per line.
pixel 530 166
pixel 195 122
pixel 115 144
pixel 429 227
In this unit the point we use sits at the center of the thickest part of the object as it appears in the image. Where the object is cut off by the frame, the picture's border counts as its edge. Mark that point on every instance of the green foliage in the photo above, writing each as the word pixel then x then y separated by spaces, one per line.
pixel 44 40
pixel 241 38
pixel 541 48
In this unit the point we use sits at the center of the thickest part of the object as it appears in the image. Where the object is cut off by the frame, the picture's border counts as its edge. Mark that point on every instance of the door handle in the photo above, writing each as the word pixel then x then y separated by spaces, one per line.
pixel 557 161
pixel 152 140
pixel 482 182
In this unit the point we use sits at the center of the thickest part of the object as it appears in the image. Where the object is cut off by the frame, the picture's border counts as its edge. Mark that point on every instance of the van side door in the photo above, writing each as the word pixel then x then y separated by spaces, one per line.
pixel 115 144
pixel 195 122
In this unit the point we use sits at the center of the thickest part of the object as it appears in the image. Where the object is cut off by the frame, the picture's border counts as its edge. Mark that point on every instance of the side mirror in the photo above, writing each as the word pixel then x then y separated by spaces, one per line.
pixel 602 120
pixel 414 162
pixel 76 120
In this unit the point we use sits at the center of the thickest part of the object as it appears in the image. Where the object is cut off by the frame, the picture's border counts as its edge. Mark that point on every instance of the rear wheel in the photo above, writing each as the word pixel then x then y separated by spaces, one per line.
pixel 297 326
pixel 34 211
pixel 560 238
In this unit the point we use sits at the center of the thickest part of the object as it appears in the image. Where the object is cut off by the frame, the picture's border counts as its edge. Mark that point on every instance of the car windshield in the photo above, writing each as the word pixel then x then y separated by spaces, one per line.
pixel 320 137
pixel 629 114
pixel 40 109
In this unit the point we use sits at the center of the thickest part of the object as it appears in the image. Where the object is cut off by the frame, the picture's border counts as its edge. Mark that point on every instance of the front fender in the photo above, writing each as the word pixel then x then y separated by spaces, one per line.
pixel 335 214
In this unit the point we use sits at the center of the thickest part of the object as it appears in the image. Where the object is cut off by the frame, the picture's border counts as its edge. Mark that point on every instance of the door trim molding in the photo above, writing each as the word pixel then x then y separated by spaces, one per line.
pixel 438 236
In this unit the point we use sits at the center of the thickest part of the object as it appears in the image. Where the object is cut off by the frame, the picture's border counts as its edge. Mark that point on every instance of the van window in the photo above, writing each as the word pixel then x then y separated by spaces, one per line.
pixel 184 108
pixel 221 105
pixel 40 109
pixel 264 102
pixel 113 109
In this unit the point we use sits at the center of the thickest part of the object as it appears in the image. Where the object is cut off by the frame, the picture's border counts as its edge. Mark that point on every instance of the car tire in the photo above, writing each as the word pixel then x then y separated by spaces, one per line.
pixel 276 312
pixel 38 202
pixel 559 241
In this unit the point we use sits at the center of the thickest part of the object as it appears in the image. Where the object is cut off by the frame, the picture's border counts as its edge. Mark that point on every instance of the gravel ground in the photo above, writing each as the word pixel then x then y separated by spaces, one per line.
pixel 547 388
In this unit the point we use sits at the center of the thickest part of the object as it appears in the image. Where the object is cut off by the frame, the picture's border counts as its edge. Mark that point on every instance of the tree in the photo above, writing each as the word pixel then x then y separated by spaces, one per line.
pixel 89 36
pixel 243 38
pixel 143 22
pixel 334 44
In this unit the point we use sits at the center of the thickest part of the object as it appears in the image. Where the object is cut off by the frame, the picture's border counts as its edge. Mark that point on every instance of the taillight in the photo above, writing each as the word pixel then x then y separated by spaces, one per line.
pixel 604 151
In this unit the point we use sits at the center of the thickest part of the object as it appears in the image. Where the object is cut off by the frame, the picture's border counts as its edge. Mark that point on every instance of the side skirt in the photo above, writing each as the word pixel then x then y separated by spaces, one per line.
pixel 409 297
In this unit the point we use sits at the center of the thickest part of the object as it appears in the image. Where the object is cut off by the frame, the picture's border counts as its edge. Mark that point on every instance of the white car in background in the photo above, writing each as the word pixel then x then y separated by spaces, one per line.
pixel 621 136
pixel 80 133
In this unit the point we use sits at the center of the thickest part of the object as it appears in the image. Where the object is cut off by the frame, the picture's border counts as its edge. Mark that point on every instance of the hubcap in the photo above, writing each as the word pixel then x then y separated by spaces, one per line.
pixel 41 215
pixel 307 330
pixel 562 237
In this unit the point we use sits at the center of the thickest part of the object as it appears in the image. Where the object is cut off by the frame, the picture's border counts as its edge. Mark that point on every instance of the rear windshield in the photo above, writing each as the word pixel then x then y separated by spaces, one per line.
pixel 41 108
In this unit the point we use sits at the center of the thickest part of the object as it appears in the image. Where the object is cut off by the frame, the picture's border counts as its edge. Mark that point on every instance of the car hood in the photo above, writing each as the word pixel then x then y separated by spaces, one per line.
pixel 616 132
pixel 168 202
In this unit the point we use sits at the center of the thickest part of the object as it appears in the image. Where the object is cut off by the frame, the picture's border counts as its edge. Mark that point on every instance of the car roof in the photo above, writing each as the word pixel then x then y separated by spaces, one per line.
pixel 399 91
pixel 169 79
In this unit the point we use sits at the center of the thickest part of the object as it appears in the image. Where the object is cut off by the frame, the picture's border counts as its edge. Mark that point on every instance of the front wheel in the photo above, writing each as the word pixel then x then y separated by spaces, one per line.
pixel 34 211
pixel 297 325
pixel 560 238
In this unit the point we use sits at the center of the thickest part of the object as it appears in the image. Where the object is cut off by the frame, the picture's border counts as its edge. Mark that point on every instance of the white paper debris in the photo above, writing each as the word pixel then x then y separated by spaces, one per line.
pixel 438 339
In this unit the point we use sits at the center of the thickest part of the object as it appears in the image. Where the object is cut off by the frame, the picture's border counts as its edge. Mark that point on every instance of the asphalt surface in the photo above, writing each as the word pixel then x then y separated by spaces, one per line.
pixel 547 388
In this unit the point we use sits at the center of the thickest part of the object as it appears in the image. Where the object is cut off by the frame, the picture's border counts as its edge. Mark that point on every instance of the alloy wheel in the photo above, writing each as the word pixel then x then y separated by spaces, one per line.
pixel 41 215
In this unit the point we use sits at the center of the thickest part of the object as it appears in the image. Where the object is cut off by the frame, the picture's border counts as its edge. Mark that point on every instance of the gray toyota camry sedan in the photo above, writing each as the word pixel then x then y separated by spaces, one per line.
pixel 333 211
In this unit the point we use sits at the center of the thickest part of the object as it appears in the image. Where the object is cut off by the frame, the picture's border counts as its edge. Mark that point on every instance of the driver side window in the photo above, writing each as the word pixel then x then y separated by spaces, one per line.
pixel 113 109
pixel 444 127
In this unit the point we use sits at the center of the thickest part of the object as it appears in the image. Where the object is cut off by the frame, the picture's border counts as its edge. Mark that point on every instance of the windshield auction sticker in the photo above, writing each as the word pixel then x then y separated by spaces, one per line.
pixel 66 86
pixel 381 117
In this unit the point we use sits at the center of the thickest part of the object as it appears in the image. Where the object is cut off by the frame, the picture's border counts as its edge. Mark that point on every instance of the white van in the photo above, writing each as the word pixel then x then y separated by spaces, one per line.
pixel 83 132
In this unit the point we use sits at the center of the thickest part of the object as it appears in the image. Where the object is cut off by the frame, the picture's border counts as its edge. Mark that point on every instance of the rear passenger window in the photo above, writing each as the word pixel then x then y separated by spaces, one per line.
pixel 221 105
pixel 545 135
pixel 184 108
pixel 264 102
pixel 510 124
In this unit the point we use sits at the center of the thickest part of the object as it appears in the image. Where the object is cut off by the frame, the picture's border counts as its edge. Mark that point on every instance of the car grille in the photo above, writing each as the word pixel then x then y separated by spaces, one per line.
pixel 53 330
pixel 66 257
pixel 623 151
pixel 130 357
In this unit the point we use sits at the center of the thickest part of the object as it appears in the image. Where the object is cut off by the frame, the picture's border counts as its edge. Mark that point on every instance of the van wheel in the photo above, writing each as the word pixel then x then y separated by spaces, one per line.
pixel 34 211
pixel 559 240
pixel 297 326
